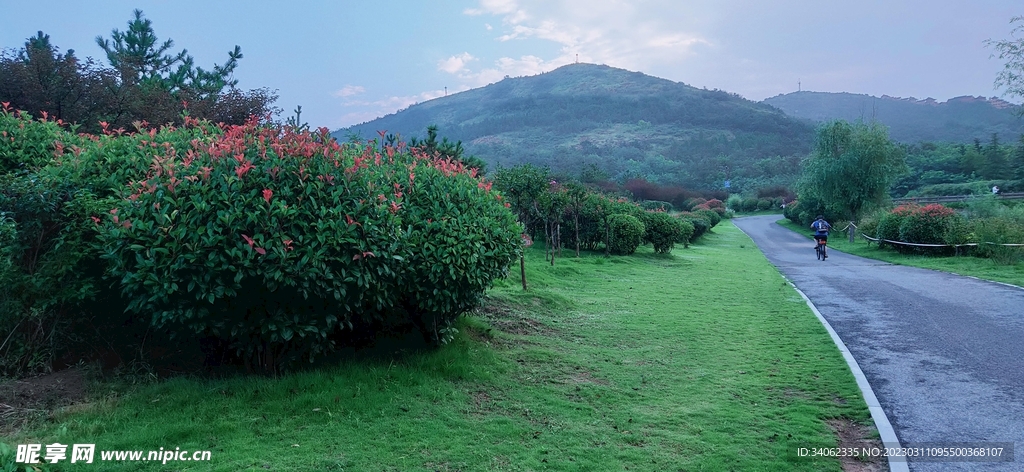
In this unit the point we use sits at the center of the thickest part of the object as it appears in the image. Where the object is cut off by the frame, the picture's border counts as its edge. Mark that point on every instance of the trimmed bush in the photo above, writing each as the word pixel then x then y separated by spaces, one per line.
pixel 700 223
pixel 712 216
pixel 764 204
pixel 927 225
pixel 661 230
pixel 749 204
pixel 889 224
pixel 627 232
pixel 686 231
pixel 278 240
pixel 734 202
pixel 714 204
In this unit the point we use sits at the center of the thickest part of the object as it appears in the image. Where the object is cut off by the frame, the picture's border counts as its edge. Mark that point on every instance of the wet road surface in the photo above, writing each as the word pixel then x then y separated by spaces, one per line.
pixel 943 353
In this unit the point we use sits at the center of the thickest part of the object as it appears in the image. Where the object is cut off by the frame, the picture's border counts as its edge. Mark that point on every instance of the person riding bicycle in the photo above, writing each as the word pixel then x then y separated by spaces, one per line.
pixel 821 229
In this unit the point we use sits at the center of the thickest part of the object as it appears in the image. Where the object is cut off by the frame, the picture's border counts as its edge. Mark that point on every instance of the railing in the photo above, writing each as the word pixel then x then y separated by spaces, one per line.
pixel 956 198
pixel 956 246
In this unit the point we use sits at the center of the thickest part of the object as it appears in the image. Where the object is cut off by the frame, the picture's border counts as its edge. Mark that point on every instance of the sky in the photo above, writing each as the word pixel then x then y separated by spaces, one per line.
pixel 347 62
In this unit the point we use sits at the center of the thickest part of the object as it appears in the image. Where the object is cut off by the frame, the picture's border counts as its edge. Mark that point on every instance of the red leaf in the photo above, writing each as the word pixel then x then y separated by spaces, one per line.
pixel 262 251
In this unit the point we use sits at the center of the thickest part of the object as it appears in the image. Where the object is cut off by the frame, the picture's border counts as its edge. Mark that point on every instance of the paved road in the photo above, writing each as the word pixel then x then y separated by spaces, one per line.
pixel 943 353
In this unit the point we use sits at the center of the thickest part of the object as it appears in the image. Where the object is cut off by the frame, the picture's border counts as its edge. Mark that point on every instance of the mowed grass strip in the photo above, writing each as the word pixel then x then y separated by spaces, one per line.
pixel 979 267
pixel 700 360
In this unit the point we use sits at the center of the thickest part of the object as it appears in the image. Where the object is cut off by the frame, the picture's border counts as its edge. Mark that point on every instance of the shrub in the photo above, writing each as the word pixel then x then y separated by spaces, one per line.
pixel 890 222
pixel 869 224
pixel 25 144
pixel 764 204
pixel 712 217
pixel 714 205
pixel 661 230
pixel 749 204
pixel 792 212
pixel 734 203
pixel 687 229
pixel 691 203
pixel 926 225
pixel 700 223
pixel 627 233
pixel 49 268
pixel 656 205
pixel 276 240
pixel 999 230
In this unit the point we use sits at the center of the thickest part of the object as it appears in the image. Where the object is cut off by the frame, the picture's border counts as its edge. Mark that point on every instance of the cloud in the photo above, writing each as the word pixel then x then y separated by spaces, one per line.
pixel 348 91
pixel 361 111
pixel 638 35
pixel 493 7
pixel 455 64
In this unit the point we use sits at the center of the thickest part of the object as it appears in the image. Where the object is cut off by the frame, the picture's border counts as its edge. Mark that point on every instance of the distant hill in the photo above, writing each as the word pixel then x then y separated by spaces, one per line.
pixel 604 121
pixel 959 120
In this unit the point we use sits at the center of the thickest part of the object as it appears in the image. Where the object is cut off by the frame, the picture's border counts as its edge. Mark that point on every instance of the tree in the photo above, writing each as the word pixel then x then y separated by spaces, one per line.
pixel 40 79
pixel 522 187
pixel 1011 78
pixel 453 150
pixel 852 167
pixel 995 165
pixel 156 84
pixel 1018 158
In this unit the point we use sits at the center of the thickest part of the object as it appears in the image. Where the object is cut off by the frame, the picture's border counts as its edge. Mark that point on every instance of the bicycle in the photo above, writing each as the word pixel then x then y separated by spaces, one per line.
pixel 821 249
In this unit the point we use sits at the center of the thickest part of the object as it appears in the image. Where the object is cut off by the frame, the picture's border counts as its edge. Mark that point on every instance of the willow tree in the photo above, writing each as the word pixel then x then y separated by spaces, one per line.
pixel 852 167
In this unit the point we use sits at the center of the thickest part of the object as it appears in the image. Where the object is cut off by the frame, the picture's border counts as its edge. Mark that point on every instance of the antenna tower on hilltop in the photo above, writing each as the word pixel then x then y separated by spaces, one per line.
pixel 797 85
pixel 577 58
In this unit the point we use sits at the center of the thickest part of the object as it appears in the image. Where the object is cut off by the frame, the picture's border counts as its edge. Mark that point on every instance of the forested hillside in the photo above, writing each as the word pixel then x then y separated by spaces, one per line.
pixel 958 120
pixel 601 122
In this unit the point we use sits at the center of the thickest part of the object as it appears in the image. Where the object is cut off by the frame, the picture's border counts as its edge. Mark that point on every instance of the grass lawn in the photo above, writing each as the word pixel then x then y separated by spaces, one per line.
pixel 700 360
pixel 964 265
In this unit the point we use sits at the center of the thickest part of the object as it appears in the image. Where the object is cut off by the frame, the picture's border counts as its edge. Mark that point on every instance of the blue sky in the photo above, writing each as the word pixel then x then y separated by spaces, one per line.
pixel 347 62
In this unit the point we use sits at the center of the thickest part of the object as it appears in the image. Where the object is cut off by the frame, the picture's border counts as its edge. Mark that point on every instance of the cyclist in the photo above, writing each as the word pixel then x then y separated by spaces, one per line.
pixel 821 229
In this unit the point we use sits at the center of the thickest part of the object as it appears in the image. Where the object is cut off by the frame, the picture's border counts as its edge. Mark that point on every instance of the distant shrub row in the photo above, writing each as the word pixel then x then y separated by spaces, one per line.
pixel 572 215
pixel 738 203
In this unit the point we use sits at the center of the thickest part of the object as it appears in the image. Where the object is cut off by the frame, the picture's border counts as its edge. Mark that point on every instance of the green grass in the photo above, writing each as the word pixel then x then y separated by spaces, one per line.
pixel 700 360
pixel 964 265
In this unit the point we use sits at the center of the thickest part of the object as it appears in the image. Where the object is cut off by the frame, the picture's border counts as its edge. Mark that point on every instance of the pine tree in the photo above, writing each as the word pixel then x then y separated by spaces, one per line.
pixel 995 165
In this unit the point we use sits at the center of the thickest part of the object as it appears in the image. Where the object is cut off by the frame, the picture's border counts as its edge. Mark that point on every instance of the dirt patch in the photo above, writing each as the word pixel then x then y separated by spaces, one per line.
pixel 25 398
pixel 584 377
pixel 509 319
pixel 856 435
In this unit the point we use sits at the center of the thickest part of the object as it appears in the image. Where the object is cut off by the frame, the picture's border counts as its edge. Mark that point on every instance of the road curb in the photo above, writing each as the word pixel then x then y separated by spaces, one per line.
pixel 882 424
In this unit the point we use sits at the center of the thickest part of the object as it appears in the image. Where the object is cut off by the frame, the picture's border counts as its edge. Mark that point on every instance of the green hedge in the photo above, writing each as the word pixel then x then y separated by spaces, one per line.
pixel 626 233
pixel 276 240
pixel 662 230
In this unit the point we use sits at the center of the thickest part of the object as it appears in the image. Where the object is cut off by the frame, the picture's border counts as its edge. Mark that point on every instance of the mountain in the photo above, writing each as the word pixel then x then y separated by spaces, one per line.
pixel 613 123
pixel 960 119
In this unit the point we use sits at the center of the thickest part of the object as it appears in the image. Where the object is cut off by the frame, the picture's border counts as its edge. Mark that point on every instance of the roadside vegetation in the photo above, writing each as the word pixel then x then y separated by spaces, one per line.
pixel 965 264
pixel 649 362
